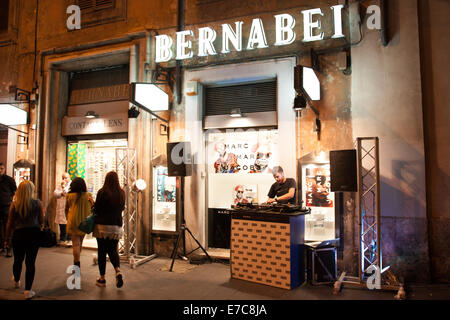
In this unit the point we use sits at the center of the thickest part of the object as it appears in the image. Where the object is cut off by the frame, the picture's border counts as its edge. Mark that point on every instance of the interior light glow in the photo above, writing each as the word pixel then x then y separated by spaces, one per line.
pixel 91 115
pixel 12 116
pixel 322 155
pixel 236 113
pixel 151 96
pixel 105 143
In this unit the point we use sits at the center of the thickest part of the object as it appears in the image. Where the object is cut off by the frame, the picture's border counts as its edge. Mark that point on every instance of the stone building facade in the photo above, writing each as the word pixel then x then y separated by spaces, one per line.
pixel 396 92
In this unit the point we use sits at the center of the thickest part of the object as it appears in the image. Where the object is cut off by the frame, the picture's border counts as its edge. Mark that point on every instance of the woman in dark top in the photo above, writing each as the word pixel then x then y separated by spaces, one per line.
pixel 108 208
pixel 25 219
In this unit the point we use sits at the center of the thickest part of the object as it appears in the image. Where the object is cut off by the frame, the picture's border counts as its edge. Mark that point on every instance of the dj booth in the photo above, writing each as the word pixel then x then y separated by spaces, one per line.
pixel 267 244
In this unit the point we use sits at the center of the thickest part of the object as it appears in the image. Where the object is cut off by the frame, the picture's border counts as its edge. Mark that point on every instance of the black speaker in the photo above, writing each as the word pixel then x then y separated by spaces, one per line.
pixel 343 171
pixel 221 228
pixel 179 163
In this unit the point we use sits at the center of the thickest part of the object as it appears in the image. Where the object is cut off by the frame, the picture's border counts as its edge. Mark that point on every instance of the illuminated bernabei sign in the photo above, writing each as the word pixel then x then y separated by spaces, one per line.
pixel 232 35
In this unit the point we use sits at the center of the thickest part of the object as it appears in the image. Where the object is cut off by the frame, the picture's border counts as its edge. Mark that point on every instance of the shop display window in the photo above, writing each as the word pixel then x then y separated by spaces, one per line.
pixel 22 174
pixel 164 200
pixel 92 160
pixel 240 166
pixel 316 195
pixel 23 171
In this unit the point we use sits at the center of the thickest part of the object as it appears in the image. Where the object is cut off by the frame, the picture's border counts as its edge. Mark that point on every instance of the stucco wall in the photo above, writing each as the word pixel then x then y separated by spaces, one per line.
pixel 386 103
pixel 436 84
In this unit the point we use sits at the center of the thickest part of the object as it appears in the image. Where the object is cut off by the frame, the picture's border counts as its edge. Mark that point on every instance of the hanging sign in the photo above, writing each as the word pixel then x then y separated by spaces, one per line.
pixel 115 123
pixel 101 94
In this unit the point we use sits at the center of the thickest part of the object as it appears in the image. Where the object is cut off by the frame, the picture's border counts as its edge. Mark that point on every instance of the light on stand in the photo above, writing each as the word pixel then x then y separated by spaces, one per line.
pixel 139 185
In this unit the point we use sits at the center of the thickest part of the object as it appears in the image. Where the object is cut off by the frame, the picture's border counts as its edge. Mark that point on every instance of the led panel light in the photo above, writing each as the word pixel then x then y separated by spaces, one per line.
pixel 12 116
pixel 311 83
pixel 150 96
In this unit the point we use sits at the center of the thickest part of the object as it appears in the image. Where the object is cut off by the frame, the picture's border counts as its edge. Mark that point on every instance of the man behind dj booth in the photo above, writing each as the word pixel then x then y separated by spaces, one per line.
pixel 283 191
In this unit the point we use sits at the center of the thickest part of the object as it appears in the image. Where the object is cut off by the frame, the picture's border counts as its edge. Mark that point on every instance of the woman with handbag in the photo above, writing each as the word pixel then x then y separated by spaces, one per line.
pixel 78 206
pixel 25 220
pixel 108 209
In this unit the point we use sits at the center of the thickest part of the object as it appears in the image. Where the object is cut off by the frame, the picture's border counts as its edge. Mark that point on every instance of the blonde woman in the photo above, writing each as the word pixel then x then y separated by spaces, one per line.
pixel 25 220
pixel 78 207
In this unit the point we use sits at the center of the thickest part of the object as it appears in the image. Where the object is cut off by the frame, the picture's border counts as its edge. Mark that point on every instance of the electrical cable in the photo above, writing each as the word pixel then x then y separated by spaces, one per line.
pixel 35 40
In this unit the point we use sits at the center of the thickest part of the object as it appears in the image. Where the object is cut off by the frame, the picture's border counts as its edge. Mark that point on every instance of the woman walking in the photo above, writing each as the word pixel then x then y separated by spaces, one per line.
pixel 108 208
pixel 25 220
pixel 78 206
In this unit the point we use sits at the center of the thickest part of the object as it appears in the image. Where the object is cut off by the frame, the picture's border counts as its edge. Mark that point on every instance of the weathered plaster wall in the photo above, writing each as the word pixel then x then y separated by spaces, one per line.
pixel 435 45
pixel 335 114
pixel 386 103
pixel 17 54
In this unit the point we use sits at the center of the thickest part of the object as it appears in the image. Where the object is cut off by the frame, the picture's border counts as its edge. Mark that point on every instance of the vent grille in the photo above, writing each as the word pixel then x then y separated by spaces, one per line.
pixel 86 4
pixel 103 4
pixel 95 4
pixel 255 97
pixel 202 2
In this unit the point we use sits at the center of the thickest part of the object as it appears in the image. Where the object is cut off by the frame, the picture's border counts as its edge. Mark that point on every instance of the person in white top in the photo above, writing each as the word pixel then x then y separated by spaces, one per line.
pixel 60 216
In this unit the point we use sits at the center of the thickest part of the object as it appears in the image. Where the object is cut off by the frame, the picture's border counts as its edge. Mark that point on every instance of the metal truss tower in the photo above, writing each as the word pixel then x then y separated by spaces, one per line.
pixel 127 170
pixel 371 273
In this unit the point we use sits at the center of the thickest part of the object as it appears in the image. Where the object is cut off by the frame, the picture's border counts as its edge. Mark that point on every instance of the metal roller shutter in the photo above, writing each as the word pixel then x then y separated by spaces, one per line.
pixel 253 97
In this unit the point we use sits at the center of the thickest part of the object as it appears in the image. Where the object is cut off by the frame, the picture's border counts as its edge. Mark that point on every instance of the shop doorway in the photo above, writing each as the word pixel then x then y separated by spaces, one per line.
pixel 239 170
pixel 92 160
pixel 277 113
pixel 240 153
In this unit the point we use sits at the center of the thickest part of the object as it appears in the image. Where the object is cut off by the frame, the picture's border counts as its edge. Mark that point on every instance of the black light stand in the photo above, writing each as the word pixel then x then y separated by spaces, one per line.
pixel 182 232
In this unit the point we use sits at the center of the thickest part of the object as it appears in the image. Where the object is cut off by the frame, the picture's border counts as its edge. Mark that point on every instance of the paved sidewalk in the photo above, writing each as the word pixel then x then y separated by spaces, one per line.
pixel 153 281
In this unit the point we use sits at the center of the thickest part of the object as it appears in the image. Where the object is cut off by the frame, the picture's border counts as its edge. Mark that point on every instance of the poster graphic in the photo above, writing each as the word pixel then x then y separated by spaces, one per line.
pixel 243 152
pixel 318 188
pixel 245 194
pixel 226 161
pixel 263 157
pixel 165 186
pixel 21 174
pixel 76 160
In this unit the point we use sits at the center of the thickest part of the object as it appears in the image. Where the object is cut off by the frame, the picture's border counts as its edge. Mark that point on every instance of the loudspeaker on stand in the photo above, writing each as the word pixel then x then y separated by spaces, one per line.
pixel 179 163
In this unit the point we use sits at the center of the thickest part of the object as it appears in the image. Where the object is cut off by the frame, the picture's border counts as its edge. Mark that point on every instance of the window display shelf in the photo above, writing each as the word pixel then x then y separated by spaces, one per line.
pixel 164 201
